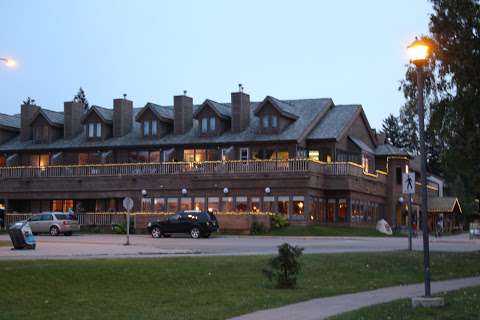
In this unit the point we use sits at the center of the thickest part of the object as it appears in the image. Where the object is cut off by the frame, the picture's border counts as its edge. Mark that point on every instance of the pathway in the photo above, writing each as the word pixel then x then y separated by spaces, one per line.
pixel 323 308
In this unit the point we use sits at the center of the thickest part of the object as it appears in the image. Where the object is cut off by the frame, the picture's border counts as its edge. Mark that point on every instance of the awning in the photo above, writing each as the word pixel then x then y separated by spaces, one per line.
pixel 444 205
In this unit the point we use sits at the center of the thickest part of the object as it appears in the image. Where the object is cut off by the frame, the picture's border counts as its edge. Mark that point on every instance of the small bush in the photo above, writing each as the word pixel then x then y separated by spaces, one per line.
pixel 257 228
pixel 119 229
pixel 279 221
pixel 284 268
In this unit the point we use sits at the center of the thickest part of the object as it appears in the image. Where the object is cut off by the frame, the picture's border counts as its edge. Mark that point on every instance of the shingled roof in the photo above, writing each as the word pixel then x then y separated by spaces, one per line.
pixel 389 150
pixel 444 205
pixel 334 123
pixel 162 112
pixel 283 107
pixel 54 118
pixel 309 112
pixel 105 114
pixel 10 122
pixel 221 109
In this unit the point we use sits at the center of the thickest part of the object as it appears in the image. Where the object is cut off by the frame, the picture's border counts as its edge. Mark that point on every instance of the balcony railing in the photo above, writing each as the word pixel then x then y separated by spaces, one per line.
pixel 192 168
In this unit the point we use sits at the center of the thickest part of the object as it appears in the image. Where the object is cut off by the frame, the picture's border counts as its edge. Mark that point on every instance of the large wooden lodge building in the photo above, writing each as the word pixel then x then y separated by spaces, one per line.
pixel 309 159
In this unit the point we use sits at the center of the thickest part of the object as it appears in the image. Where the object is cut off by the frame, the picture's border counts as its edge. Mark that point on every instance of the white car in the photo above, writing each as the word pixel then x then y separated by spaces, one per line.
pixel 54 223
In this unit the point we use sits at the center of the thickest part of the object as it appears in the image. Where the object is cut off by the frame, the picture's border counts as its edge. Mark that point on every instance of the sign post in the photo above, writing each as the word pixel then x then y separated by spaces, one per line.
pixel 408 186
pixel 128 205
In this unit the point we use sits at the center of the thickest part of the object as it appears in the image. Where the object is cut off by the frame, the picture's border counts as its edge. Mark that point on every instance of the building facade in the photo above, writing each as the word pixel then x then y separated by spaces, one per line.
pixel 308 159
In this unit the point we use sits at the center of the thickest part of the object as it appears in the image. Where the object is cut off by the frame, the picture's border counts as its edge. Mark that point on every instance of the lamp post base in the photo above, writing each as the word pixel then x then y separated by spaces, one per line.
pixel 428 302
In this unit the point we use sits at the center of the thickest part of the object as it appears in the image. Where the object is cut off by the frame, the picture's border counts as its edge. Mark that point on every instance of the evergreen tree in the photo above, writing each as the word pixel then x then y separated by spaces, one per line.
pixel 80 97
pixel 391 128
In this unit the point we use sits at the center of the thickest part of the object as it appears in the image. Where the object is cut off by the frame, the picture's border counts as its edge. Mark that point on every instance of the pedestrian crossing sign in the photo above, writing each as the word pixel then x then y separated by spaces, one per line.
pixel 408 183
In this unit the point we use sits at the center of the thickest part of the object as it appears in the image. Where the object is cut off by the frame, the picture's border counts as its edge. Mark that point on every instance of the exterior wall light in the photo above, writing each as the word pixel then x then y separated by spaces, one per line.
pixel 144 193
pixel 184 191
pixel 225 190
pixel 267 190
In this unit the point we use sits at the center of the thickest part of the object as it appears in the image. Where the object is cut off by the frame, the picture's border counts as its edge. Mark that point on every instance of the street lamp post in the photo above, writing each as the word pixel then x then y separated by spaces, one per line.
pixel 419 52
pixel 8 62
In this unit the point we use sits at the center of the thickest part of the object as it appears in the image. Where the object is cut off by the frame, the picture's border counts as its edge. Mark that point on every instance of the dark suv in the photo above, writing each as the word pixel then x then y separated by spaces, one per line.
pixel 196 223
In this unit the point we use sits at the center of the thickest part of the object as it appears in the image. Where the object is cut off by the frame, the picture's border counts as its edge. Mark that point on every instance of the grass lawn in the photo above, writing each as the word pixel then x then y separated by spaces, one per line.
pixel 330 231
pixel 459 305
pixel 200 287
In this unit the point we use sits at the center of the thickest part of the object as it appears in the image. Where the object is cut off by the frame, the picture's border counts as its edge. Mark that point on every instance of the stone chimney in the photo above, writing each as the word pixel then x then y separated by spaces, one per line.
pixel 27 113
pixel 122 117
pixel 73 113
pixel 240 110
pixel 183 114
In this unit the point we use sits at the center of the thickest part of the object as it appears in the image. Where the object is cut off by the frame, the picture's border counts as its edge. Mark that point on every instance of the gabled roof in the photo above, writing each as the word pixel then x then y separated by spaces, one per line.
pixel 54 118
pixel 283 107
pixel 389 150
pixel 10 122
pixel 163 113
pixel 444 205
pixel 221 110
pixel 362 145
pixel 105 114
pixel 335 122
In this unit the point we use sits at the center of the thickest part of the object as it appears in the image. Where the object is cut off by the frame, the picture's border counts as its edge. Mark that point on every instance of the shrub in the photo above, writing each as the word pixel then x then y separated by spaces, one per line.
pixel 257 228
pixel 279 221
pixel 284 268
pixel 119 229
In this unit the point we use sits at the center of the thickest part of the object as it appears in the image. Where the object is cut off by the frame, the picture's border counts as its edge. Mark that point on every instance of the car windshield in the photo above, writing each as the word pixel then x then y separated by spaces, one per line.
pixel 63 217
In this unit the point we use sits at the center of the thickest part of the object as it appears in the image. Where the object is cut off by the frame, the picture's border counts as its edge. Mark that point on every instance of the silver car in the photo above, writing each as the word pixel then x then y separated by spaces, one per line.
pixel 53 223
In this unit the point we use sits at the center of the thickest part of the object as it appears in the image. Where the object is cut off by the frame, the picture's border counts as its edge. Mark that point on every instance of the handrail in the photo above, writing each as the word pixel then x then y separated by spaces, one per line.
pixel 192 168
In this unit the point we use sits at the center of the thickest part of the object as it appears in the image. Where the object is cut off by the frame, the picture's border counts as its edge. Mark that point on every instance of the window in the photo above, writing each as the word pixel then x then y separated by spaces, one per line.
pixel 200 155
pixel 3 161
pixel 91 130
pixel 199 203
pixel 241 204
pixel 244 154
pixel 146 128
pixel 204 125
pixel 159 205
pixel 255 204
pixel 227 204
pixel 365 162
pixel 331 210
pixel 154 127
pixel 57 206
pixel 212 124
pixel 265 122
pixel 189 155
pixel 212 154
pixel 298 205
pixel 39 160
pixel 268 204
pixel 172 204
pixel 185 203
pixel 313 155
pixel 99 130
pixel 146 204
pixel 213 204
pixel 342 210
pixel 274 121
pixel 283 202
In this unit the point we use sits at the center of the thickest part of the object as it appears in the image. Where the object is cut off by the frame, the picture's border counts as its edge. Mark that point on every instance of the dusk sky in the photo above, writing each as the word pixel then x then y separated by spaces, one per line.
pixel 351 51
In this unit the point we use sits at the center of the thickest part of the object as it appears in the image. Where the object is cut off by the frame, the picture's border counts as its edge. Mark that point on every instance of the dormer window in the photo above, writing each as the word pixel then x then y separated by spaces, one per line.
pixel 265 121
pixel 40 134
pixel 95 130
pixel 270 121
pixel 208 124
pixel 150 128
pixel 274 121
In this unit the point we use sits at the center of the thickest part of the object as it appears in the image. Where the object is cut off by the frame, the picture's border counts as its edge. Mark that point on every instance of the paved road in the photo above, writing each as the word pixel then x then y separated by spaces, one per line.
pixel 323 308
pixel 111 246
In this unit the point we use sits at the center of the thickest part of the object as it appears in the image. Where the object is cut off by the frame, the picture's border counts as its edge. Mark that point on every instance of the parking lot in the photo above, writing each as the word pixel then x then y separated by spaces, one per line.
pixel 112 246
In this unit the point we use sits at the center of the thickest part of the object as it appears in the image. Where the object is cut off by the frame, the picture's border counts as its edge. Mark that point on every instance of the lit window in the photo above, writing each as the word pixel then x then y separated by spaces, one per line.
pixel 274 121
pixel 146 128
pixel 189 155
pixel 212 124
pixel 265 121
pixel 298 205
pixel 204 125
pixel 313 154
pixel 99 130
pixel 154 127
pixel 241 204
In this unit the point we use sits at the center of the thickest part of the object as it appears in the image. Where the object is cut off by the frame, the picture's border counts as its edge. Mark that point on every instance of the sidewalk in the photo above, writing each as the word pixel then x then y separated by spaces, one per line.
pixel 327 307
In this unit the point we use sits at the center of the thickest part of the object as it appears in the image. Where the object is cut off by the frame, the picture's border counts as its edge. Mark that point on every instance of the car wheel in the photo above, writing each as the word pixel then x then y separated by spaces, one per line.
pixel 195 233
pixel 54 231
pixel 156 233
pixel 68 234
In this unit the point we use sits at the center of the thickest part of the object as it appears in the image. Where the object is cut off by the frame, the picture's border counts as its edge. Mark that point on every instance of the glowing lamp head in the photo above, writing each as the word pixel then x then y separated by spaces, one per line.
pixel 9 62
pixel 418 51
